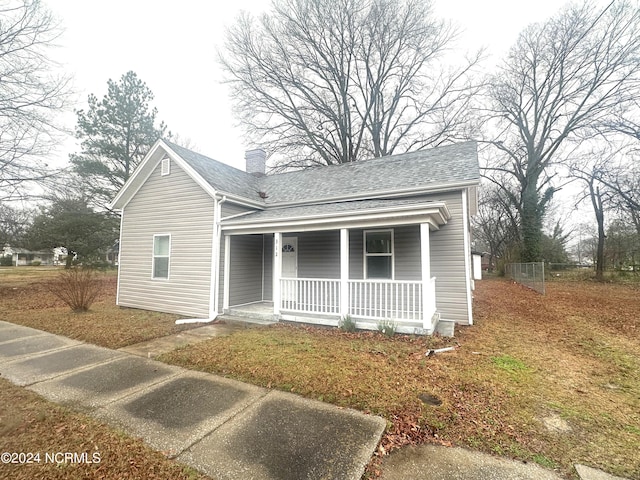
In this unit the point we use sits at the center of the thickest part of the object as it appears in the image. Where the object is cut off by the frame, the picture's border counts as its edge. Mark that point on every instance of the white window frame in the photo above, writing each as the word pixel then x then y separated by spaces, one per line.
pixel 165 166
pixel 365 254
pixel 154 256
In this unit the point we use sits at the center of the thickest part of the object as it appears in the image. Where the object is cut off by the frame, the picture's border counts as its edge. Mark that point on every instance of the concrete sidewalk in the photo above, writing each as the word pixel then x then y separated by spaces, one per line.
pixel 224 428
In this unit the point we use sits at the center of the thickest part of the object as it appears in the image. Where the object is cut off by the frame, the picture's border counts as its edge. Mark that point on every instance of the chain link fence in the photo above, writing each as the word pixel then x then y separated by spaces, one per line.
pixel 528 274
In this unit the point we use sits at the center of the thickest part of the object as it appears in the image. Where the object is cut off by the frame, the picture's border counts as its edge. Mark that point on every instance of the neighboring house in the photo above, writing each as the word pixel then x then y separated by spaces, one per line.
pixel 22 256
pixel 381 239
pixel 112 253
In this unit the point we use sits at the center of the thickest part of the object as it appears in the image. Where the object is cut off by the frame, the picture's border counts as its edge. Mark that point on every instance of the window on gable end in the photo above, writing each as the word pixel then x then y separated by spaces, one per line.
pixel 166 166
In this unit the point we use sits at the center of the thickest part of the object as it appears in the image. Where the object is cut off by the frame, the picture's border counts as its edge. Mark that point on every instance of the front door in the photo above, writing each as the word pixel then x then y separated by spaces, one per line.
pixel 289 270
pixel 289 257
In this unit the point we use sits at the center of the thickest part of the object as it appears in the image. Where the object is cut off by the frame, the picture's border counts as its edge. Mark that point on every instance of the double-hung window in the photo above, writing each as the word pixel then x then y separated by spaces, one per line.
pixel 378 254
pixel 161 255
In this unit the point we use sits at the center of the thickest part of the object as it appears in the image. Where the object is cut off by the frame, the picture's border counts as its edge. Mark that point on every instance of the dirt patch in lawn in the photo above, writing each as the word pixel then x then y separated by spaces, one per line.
pixel 44 432
pixel 572 355
pixel 25 300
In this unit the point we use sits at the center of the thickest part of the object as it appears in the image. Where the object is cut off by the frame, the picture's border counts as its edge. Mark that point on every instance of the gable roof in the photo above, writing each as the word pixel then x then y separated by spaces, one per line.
pixel 424 171
pixel 222 177
pixel 416 171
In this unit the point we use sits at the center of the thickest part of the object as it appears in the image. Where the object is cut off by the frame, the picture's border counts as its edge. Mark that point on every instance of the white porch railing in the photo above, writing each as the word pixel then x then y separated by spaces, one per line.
pixel 367 299
pixel 310 295
pixel 384 299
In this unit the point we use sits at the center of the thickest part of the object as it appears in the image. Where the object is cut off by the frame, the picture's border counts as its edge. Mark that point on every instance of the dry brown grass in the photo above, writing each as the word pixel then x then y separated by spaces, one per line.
pixel 29 424
pixel 25 299
pixel 571 357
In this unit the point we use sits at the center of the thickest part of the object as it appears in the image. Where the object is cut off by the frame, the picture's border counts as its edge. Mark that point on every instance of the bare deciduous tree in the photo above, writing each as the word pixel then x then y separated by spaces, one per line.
pixel 561 81
pixel 30 94
pixel 334 81
pixel 496 223
pixel 14 223
pixel 622 178
pixel 599 196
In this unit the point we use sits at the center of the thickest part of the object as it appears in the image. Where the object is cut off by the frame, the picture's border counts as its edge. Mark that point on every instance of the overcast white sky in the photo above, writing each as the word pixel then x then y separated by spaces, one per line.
pixel 172 46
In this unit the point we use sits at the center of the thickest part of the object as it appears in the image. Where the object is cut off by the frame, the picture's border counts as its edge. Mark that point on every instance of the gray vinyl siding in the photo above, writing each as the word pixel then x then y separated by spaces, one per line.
pixel 267 277
pixel 319 254
pixel 406 253
pixel 246 269
pixel 173 204
pixel 227 209
pixel 447 263
pixel 356 259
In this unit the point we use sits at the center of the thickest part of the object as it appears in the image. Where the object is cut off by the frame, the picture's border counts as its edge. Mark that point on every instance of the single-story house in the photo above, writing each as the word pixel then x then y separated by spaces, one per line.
pixel 380 239
pixel 23 257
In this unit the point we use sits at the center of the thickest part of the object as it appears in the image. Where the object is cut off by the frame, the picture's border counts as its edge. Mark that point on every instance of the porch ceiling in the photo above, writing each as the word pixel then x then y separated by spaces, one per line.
pixel 329 216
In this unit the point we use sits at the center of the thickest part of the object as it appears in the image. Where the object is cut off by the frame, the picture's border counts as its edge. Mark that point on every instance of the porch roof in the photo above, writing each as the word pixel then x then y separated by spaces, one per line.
pixel 327 216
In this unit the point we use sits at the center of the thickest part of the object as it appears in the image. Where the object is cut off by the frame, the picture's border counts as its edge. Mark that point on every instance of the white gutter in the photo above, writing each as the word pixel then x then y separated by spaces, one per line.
pixel 241 214
pixel 215 267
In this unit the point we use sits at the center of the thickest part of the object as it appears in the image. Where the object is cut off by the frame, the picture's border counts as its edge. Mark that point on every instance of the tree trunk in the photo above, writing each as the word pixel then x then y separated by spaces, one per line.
pixel 596 200
pixel 531 224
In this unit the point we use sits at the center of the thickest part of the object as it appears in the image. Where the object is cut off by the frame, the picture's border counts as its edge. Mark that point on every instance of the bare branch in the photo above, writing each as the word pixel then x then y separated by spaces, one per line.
pixel 326 82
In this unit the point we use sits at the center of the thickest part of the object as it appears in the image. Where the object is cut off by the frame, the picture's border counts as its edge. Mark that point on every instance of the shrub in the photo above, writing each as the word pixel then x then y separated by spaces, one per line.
pixel 387 327
pixel 6 261
pixel 347 324
pixel 77 287
pixel 36 263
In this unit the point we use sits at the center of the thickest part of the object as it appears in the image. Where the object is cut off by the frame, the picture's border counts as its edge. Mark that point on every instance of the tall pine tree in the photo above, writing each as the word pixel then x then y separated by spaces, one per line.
pixel 116 133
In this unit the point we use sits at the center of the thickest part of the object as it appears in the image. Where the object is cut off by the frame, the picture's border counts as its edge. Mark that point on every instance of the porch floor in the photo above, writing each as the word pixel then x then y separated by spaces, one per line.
pixel 259 312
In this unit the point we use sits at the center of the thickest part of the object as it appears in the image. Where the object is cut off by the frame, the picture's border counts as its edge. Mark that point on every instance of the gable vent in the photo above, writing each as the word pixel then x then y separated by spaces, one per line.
pixel 166 166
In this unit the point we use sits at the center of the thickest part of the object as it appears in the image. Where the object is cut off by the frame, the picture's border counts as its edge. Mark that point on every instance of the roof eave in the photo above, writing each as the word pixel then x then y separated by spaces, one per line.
pixel 436 214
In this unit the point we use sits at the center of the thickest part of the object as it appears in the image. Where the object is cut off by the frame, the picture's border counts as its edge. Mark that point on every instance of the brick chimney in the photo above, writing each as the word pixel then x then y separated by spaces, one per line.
pixel 256 162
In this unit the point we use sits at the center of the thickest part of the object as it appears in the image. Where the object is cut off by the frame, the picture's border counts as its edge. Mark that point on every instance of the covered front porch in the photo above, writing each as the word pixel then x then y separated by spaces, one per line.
pixel 371 270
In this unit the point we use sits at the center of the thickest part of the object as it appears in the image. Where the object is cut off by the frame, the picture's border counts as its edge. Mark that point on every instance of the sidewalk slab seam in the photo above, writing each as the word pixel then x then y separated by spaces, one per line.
pixel 283 436
pixel 59 390
pixel 67 343
pixel 25 371
pixel 159 414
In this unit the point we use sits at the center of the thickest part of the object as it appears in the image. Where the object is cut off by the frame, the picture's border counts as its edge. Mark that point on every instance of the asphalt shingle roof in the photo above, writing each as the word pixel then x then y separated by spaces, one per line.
pixel 425 169
pixel 222 177
pixel 306 211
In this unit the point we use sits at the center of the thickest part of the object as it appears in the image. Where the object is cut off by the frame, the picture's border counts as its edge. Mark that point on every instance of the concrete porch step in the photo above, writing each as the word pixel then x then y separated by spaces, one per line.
pixel 258 313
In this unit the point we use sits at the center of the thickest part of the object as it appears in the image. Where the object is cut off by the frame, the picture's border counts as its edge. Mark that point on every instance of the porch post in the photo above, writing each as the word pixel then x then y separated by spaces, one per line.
pixel 428 308
pixel 344 272
pixel 227 272
pixel 277 271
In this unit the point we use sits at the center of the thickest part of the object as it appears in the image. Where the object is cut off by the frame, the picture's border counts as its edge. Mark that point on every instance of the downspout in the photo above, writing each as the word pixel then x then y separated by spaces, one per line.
pixel 215 266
